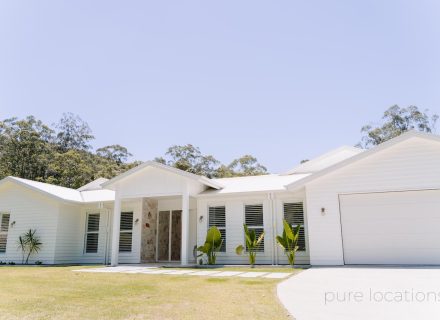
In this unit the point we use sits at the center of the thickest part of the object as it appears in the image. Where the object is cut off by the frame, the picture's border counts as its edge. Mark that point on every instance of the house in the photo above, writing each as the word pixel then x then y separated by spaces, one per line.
pixel 376 206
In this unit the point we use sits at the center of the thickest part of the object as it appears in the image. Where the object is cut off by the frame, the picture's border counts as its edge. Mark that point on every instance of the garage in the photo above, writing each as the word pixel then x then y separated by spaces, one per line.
pixel 391 227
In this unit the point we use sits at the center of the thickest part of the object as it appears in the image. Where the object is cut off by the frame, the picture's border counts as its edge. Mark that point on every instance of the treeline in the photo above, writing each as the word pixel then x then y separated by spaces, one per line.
pixel 62 154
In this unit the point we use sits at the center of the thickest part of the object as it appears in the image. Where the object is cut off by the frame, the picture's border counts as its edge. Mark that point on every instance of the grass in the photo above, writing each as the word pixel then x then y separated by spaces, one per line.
pixel 59 293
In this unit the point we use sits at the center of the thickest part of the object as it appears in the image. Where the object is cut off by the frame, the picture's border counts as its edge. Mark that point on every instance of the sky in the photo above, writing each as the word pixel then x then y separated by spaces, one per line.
pixel 281 80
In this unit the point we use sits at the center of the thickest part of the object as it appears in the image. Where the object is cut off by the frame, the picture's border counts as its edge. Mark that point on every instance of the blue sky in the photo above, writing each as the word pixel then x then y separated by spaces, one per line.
pixel 282 80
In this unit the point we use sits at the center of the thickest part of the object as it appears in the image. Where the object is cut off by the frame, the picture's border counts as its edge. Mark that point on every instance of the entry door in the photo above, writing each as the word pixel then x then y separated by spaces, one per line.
pixel 169 236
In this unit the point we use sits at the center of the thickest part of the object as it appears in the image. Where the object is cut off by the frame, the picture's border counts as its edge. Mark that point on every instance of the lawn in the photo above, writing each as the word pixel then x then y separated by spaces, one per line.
pixel 59 293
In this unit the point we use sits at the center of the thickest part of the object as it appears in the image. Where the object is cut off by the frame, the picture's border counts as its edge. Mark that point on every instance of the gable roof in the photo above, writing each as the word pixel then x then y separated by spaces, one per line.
pixel 63 193
pixel 385 145
pixel 326 160
pixel 153 164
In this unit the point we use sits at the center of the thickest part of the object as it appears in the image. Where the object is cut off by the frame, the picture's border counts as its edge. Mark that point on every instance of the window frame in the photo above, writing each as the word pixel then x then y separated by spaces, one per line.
pixel 2 214
pixel 262 248
pixel 126 231
pixel 87 232
pixel 225 240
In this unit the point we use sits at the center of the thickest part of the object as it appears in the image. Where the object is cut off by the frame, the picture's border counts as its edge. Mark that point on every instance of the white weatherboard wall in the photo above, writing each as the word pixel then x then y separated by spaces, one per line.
pixel 409 165
pixel 29 210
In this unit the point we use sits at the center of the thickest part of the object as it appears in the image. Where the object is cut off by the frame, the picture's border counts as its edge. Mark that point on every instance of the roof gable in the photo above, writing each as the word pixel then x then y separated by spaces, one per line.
pixel 152 164
pixel 383 146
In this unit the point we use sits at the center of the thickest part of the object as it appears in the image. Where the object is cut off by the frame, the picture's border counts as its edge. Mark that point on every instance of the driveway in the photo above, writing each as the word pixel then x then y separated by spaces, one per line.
pixel 363 293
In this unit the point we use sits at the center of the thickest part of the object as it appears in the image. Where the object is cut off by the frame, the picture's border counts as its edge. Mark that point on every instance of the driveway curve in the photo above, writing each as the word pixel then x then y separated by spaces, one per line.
pixel 362 293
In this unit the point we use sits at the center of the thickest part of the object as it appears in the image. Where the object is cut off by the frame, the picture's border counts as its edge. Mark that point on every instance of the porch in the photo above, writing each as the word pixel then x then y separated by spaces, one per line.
pixel 166 222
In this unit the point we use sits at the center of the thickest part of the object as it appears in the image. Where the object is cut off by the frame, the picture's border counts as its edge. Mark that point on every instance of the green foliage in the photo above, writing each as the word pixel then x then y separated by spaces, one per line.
pixel 29 244
pixel 32 150
pixel 73 133
pixel 396 121
pixel 189 158
pixel 212 245
pixel 252 244
pixel 289 241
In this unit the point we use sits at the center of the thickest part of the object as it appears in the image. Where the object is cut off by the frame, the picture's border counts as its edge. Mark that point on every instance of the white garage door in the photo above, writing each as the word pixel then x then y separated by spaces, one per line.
pixel 391 227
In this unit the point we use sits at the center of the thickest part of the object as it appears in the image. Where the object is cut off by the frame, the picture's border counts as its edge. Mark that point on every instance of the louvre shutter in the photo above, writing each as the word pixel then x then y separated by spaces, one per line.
pixel 126 232
pixel 4 228
pixel 217 218
pixel 254 220
pixel 92 235
pixel 294 215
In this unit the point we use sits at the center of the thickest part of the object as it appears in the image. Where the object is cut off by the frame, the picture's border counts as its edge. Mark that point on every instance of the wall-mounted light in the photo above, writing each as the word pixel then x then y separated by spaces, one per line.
pixel 322 211
pixel 12 224
pixel 136 221
pixel 149 214
pixel 201 219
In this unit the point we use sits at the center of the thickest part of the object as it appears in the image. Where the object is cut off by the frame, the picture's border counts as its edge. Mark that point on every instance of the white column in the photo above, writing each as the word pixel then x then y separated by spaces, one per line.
pixel 185 227
pixel 116 230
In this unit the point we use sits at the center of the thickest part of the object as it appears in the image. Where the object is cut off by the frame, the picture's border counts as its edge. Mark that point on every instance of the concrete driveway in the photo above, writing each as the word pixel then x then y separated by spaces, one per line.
pixel 363 293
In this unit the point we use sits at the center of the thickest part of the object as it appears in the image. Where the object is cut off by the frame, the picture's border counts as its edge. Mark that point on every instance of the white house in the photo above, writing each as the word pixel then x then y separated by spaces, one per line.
pixel 376 206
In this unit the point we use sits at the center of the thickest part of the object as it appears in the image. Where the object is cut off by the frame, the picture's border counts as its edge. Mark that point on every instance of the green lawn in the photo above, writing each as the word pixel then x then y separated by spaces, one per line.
pixel 59 293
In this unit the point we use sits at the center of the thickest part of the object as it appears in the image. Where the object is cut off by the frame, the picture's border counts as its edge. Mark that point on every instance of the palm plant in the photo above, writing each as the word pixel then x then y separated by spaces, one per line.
pixel 289 241
pixel 29 244
pixel 252 244
pixel 22 246
pixel 212 245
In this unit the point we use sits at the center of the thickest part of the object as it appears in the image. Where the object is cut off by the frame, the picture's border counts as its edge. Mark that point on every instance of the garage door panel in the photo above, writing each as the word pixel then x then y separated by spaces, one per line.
pixel 391 227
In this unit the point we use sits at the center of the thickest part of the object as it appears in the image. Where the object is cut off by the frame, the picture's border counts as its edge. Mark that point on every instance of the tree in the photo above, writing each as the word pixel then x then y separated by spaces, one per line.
pixel 26 148
pixel 189 158
pixel 73 133
pixel 71 169
pixel 396 121
pixel 247 165
pixel 115 152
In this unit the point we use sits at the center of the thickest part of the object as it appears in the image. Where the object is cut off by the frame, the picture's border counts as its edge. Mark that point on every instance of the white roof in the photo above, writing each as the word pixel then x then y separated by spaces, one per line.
pixel 270 182
pixel 94 185
pixel 64 193
pixel 326 160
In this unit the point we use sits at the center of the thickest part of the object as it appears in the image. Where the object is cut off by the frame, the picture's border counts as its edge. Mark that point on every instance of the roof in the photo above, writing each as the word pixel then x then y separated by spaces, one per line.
pixel 63 193
pixel 203 180
pixel 263 183
pixel 326 160
pixel 94 185
pixel 385 145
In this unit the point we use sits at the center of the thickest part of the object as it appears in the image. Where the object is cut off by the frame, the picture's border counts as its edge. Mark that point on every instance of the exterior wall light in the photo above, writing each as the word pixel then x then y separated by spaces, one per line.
pixel 322 211
pixel 201 219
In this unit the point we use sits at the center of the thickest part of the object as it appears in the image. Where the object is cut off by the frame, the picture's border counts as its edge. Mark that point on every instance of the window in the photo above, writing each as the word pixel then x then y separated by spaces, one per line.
pixel 253 216
pixel 217 218
pixel 126 232
pixel 92 233
pixel 294 215
pixel 4 227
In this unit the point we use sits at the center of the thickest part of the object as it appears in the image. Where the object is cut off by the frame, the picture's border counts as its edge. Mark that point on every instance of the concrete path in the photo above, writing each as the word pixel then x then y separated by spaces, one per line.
pixel 189 272
pixel 362 293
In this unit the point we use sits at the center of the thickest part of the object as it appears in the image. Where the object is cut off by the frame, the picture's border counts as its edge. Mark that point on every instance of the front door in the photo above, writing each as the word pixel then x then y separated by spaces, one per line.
pixel 169 235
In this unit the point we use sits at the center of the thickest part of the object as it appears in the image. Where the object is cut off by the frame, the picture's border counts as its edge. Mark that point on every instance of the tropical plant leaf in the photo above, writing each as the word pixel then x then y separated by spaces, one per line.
pixel 239 250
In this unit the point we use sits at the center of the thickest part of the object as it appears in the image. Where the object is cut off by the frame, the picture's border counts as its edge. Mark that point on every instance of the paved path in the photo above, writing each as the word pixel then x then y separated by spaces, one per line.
pixel 188 272
pixel 363 293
